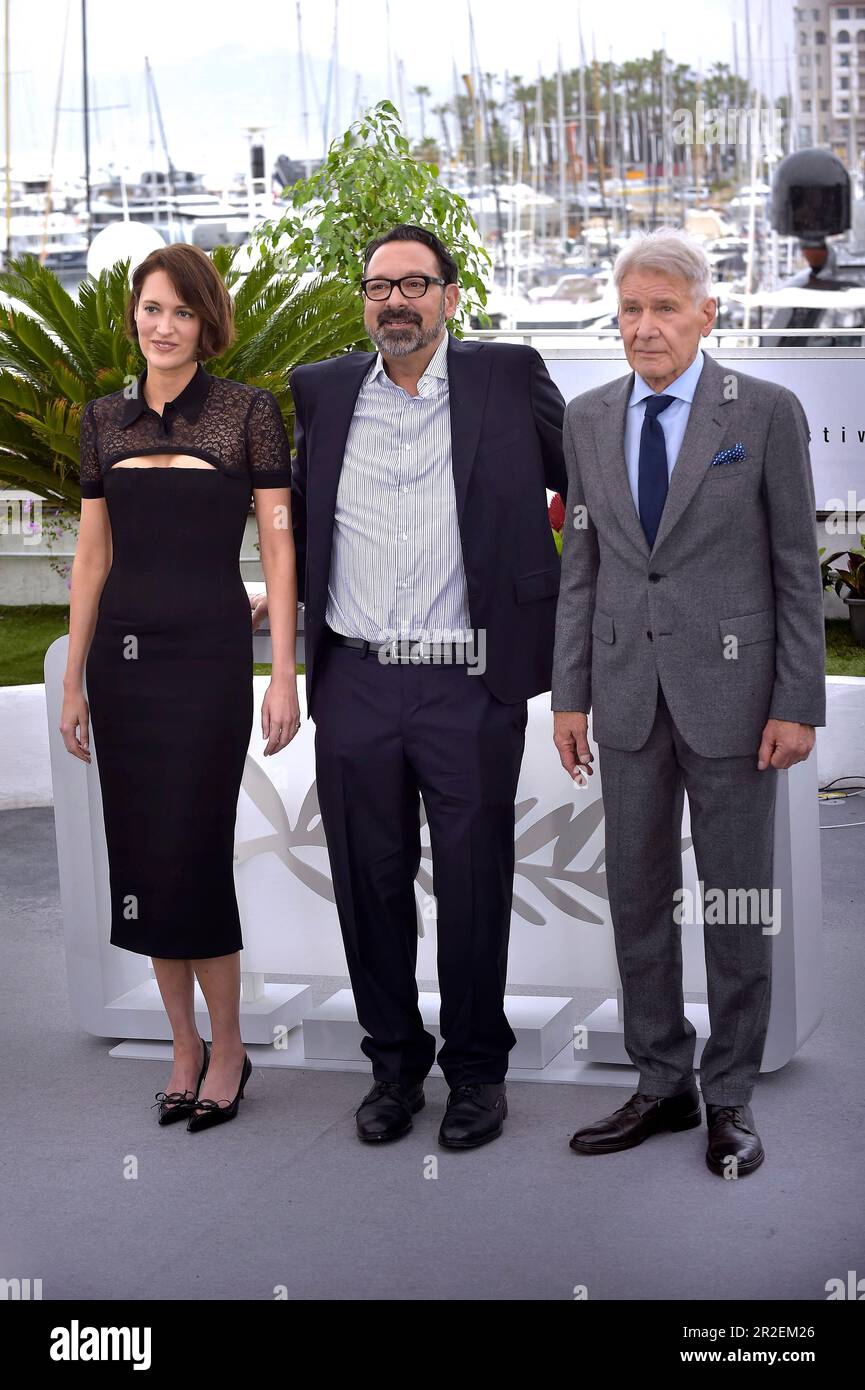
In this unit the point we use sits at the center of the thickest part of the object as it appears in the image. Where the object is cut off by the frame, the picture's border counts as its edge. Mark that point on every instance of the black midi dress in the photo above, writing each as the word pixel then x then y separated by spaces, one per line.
pixel 169 670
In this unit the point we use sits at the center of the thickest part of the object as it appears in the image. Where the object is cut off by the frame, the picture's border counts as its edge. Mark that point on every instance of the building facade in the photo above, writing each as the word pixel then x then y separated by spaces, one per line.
pixel 830 78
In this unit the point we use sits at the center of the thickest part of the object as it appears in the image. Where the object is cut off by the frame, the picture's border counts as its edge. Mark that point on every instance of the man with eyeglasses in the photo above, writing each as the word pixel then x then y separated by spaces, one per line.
pixel 429 575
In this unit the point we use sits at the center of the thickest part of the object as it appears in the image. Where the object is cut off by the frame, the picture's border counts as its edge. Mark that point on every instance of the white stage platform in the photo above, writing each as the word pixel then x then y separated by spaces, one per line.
pixel 561 934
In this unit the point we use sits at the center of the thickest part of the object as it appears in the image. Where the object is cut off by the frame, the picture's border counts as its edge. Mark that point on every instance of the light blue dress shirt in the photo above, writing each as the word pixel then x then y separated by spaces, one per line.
pixel 673 420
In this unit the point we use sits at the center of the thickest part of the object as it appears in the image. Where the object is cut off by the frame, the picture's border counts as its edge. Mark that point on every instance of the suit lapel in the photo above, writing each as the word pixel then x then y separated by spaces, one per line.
pixel 337 410
pixel 468 382
pixel 702 437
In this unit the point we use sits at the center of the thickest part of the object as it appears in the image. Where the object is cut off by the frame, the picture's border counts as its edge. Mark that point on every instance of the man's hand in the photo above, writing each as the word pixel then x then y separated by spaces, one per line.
pixel 784 743
pixel 258 604
pixel 570 735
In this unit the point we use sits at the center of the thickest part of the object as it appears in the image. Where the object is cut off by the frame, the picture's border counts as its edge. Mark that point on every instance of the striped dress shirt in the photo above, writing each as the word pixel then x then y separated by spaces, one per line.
pixel 396 566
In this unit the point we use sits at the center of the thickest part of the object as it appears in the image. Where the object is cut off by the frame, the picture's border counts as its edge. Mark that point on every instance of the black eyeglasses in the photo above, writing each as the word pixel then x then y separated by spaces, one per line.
pixel 411 286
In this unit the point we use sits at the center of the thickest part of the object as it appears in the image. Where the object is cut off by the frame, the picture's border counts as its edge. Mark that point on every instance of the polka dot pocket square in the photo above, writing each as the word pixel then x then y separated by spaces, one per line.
pixel 735 454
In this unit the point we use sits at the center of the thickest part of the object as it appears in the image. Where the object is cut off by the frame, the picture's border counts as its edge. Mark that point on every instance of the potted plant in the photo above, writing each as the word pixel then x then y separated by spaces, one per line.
pixel 852 578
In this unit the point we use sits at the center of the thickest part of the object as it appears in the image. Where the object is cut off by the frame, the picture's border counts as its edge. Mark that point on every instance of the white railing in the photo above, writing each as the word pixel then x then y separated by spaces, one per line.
pixel 752 336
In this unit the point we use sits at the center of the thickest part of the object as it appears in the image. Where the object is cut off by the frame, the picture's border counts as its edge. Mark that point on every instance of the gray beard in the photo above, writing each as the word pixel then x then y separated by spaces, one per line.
pixel 407 343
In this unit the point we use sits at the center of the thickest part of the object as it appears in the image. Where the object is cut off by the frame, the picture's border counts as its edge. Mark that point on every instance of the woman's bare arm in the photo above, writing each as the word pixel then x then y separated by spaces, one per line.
pixel 90 568
pixel 280 715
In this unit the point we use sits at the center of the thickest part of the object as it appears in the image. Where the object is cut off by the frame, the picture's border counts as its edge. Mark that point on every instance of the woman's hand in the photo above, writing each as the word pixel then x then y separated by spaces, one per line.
pixel 280 715
pixel 258 604
pixel 75 714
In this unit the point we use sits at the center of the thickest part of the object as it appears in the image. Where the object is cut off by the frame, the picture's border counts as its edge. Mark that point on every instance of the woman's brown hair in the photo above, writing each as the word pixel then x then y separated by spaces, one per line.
pixel 198 283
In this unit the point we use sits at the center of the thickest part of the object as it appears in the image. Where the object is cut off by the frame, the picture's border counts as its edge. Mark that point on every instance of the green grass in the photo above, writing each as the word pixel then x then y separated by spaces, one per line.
pixel 27 633
pixel 843 656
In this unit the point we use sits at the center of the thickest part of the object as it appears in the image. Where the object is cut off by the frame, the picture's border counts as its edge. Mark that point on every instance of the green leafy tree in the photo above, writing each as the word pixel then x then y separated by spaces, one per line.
pixel 57 353
pixel 368 183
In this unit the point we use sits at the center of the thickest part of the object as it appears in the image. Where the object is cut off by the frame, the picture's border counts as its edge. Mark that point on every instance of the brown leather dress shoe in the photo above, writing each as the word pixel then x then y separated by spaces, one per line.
pixel 636 1120
pixel 732 1136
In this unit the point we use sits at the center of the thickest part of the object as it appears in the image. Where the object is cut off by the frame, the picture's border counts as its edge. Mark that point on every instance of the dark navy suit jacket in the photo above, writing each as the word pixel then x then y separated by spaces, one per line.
pixel 506 438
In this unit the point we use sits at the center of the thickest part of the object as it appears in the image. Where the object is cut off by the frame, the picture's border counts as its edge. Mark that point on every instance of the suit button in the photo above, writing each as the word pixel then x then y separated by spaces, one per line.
pixel 650 637
pixel 655 577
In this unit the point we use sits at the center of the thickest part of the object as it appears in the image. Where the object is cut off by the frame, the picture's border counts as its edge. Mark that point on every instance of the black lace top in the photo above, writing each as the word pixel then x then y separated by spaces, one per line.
pixel 237 428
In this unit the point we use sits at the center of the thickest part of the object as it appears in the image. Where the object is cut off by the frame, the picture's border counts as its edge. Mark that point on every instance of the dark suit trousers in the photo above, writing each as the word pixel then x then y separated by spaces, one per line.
pixel 385 734
pixel 732 827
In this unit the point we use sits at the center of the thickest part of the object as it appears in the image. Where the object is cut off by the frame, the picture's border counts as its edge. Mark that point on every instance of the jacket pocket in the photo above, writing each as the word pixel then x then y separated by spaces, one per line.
pixel 726 470
pixel 749 627
pixel 603 626
pixel 540 584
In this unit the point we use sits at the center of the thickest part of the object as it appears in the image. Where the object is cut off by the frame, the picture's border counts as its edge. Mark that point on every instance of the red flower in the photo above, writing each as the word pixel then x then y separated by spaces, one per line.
pixel 557 512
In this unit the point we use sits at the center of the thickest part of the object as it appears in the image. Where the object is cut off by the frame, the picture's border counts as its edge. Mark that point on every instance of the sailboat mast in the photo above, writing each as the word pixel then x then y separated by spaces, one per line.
pixel 665 165
pixel 403 102
pixel 752 208
pixel 625 140
pixel 389 52
pixel 488 132
pixel 536 180
pixel 6 105
pixel 736 103
pixel 612 120
pixel 85 109
pixel 584 141
pixel 336 110
pixel 510 254
pixel 598 117
pixel 480 152
pixel 49 197
pixel 560 124
pixel 304 103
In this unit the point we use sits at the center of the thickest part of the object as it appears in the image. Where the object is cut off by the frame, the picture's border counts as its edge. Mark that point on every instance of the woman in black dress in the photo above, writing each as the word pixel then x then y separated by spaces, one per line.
pixel 160 625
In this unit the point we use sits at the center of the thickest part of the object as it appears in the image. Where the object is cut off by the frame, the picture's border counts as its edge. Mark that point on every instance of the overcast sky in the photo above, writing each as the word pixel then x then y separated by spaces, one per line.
pixel 220 66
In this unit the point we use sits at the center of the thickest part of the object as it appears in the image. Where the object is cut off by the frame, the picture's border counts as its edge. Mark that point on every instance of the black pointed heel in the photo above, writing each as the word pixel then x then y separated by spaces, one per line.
pixel 209 1112
pixel 174 1105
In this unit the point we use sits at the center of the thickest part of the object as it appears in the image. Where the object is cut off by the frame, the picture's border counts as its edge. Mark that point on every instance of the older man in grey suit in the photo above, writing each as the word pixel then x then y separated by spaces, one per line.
pixel 690 622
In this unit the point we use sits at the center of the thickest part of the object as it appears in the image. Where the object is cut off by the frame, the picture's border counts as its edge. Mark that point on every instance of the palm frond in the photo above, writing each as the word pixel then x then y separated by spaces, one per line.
pixel 57 428
pixel 25 344
pixel 56 352
pixel 39 289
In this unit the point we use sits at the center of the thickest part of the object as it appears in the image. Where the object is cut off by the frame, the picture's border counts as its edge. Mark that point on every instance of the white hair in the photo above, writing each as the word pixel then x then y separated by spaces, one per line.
pixel 670 251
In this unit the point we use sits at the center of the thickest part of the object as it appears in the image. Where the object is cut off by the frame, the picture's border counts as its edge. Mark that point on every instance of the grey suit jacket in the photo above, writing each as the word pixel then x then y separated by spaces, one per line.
pixel 727 607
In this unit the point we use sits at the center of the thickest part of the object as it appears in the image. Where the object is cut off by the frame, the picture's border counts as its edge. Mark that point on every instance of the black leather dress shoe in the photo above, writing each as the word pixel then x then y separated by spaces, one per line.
pixel 475 1114
pixel 732 1135
pixel 638 1118
pixel 385 1112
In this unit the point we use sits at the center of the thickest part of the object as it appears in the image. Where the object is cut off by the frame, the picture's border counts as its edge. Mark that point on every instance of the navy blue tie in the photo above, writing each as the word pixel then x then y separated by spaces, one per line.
pixel 652 481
